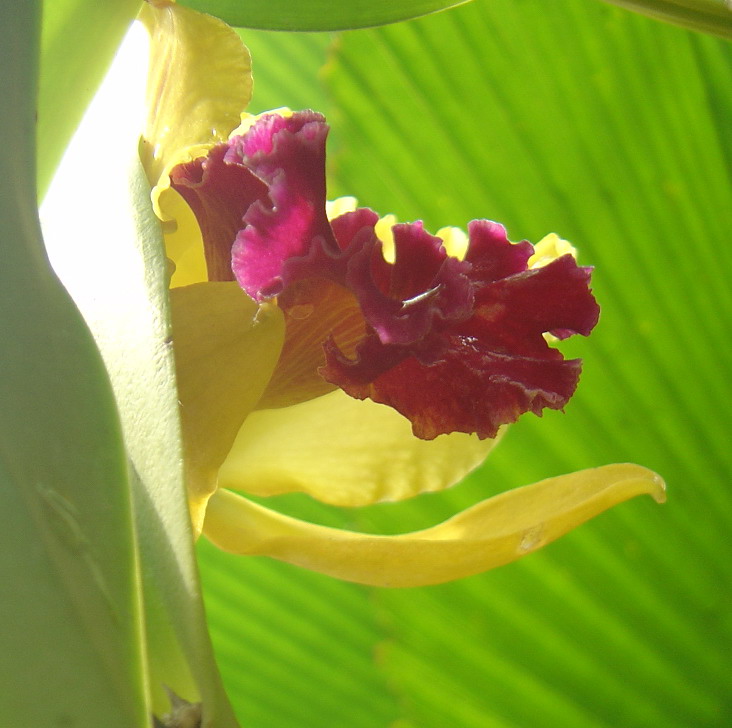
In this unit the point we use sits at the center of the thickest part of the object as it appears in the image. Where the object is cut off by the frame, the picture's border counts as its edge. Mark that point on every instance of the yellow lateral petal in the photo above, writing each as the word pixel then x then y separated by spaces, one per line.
pixel 199 82
pixel 490 534
pixel 346 452
pixel 226 347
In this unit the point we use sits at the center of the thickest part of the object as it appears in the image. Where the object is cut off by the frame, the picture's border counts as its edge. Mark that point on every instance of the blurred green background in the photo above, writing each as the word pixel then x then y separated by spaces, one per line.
pixel 613 131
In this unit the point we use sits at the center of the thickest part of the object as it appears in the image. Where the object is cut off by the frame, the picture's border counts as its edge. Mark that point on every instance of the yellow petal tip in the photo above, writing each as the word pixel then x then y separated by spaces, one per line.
pixel 658 488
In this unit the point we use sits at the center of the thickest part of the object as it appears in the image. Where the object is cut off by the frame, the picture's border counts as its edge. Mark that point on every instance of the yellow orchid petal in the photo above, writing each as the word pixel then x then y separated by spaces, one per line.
pixel 184 245
pixel 346 452
pixel 383 230
pixel 340 206
pixel 198 84
pixel 455 240
pixel 490 534
pixel 226 347
pixel 549 248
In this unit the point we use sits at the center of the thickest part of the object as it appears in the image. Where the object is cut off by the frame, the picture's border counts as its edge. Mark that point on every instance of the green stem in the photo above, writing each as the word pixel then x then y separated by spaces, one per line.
pixel 71 637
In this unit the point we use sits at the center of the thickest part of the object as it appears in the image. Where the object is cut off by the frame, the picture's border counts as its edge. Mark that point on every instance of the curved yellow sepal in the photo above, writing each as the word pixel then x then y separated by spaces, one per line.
pixel 226 347
pixel 490 534
pixel 346 452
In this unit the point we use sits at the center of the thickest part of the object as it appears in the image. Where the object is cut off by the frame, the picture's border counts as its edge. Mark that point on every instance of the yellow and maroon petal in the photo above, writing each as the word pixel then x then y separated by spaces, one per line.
pixel 471 388
pixel 407 300
pixel 219 195
pixel 290 226
pixel 315 310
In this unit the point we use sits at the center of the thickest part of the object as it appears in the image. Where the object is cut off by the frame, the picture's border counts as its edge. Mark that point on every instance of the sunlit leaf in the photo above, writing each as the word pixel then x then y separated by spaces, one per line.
pixel 606 128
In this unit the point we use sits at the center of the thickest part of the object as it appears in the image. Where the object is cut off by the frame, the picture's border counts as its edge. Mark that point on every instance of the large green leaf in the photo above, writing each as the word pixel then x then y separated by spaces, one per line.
pixel 612 130
pixel 316 14
pixel 106 245
pixel 70 634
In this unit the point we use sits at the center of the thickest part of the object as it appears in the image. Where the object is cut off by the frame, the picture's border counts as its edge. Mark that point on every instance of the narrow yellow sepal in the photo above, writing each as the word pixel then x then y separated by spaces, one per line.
pixel 492 533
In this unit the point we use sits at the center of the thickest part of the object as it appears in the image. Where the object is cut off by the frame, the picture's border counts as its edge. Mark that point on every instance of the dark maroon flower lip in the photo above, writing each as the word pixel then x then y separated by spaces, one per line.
pixel 454 345
pixel 476 372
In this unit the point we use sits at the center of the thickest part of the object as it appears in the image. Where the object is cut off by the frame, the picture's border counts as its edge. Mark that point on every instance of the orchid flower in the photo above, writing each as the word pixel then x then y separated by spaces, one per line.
pixel 347 358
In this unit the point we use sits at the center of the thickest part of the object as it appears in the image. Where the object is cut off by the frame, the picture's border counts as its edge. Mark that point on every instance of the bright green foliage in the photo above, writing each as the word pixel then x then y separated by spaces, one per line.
pixel 316 14
pixel 70 641
pixel 611 130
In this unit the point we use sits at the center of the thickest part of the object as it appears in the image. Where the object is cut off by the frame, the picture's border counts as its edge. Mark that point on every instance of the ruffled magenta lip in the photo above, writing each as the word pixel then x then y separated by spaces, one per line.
pixel 454 345
pixel 477 372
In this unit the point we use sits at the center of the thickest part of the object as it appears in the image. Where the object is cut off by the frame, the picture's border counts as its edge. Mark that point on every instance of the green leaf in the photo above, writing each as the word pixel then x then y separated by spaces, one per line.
pixel 78 42
pixel 106 246
pixel 612 130
pixel 274 58
pixel 294 647
pixel 316 14
pixel 71 638
pixel 706 16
